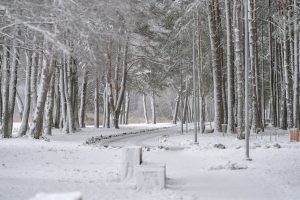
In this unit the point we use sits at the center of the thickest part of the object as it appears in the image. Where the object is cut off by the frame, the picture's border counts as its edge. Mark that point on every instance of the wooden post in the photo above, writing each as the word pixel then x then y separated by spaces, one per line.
pixel 294 135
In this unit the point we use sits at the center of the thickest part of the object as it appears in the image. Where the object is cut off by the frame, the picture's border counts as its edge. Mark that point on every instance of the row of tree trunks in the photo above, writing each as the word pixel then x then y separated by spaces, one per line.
pixel 36 128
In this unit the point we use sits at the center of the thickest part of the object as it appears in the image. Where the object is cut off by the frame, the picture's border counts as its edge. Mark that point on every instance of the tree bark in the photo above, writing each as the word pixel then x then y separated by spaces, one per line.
pixel 20 104
pixel 296 67
pixel 83 99
pixel 230 70
pixel 153 107
pixel 287 76
pixel 68 93
pixel 177 103
pixel 96 102
pixel 24 124
pixel 6 78
pixel 145 109
pixel 127 103
pixel 64 124
pixel 49 107
pixel 216 66
pixel 238 63
pixel 13 87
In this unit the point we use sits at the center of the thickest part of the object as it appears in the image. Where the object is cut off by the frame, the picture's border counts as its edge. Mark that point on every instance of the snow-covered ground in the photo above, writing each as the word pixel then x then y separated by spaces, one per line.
pixel 67 164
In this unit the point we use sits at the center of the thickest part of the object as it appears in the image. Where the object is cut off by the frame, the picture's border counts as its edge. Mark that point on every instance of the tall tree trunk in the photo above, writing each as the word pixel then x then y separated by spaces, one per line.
pixel 107 107
pixel 247 125
pixel 64 124
pixel 1 97
pixel 177 103
pixel 127 103
pixel 75 93
pixel 68 93
pixel 13 86
pixel 255 121
pixel 273 97
pixel 49 107
pixel 238 64
pixel 230 70
pixel 145 109
pixel 153 107
pixel 33 83
pixel 287 75
pixel 283 105
pixel 96 102
pixel 24 124
pixel 296 67
pixel 216 65
pixel 83 99
pixel 6 78
pixel 57 99
pixel 20 104
pixel 104 107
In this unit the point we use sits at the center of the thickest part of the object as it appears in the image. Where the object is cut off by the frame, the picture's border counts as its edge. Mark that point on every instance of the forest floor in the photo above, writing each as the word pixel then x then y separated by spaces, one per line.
pixel 65 163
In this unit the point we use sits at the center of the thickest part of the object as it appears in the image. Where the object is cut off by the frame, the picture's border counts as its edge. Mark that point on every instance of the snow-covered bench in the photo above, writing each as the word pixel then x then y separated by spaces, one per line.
pixel 151 176
pixel 132 157
pixel 62 196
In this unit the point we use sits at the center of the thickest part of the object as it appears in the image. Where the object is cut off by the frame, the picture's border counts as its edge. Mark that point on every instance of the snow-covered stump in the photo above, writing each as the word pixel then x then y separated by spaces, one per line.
pixel 62 196
pixel 151 176
pixel 132 157
pixel 294 135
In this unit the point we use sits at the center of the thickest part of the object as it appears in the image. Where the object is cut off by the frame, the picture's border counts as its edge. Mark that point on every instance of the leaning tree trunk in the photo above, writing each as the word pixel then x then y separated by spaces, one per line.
pixel 49 108
pixel 6 78
pixel 24 124
pixel 38 116
pixel 83 99
pixel 13 87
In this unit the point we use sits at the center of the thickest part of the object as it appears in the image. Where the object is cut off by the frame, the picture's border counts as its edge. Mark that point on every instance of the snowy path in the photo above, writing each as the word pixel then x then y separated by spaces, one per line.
pixel 141 139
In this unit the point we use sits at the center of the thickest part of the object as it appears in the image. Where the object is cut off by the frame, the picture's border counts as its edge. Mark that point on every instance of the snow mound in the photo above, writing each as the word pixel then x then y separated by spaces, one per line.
pixel 229 166
pixel 63 196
